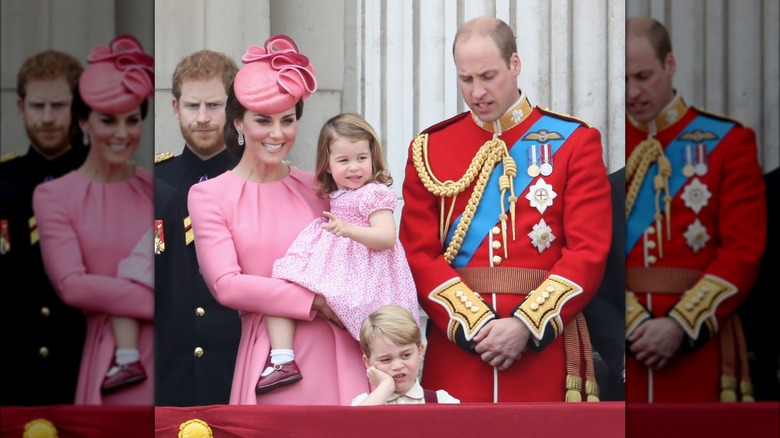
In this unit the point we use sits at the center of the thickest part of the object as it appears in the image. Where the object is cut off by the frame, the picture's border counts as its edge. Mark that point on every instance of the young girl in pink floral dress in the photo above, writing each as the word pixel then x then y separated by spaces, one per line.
pixel 351 255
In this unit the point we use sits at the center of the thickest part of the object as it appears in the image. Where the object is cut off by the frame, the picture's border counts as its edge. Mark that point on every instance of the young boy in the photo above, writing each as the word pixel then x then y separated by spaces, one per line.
pixel 392 352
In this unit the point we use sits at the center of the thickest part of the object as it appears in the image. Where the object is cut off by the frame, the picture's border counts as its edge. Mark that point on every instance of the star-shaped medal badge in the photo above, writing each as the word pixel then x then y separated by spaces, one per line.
pixel 696 195
pixel 541 195
pixel 696 236
pixel 541 236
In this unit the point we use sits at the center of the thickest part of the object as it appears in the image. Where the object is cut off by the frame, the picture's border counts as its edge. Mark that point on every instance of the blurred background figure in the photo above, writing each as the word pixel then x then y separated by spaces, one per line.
pixel 95 226
pixel 45 338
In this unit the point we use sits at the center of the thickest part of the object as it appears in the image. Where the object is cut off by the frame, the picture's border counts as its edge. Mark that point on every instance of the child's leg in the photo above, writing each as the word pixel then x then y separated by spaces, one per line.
pixel 281 368
pixel 281 332
pixel 126 331
pixel 127 368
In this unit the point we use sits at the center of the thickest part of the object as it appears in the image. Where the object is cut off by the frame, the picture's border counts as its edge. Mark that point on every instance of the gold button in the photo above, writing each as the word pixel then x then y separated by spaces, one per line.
pixel 545 294
pixel 45 311
pixel 198 352
pixel 43 352
pixel 463 298
pixel 688 306
pixel 496 231
pixel 497 260
pixel 200 311
pixel 650 230
pixel 458 293
pixel 539 300
pixel 496 244
pixel 695 299
pixel 630 308
pixel 474 309
pixel 705 289
pixel 651 244
pixel 550 288
pixel 469 304
pixel 534 306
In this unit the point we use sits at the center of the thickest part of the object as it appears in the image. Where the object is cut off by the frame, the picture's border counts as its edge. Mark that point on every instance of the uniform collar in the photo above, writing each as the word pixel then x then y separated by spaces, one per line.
pixel 513 117
pixel 415 392
pixel 211 167
pixel 668 116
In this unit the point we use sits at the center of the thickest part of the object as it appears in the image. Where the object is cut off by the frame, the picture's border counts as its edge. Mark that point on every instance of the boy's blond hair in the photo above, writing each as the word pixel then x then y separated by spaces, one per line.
pixel 393 322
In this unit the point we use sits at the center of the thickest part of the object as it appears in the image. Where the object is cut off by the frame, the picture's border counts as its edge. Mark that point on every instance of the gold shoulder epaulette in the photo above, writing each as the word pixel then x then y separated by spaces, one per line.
pixel 717 115
pixel 8 156
pixel 564 116
pixel 162 156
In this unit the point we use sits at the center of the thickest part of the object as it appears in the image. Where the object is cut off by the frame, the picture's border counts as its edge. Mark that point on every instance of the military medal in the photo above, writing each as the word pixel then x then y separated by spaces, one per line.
pixel 159 237
pixel 701 157
pixel 546 168
pixel 696 236
pixel 541 195
pixel 533 169
pixel 696 195
pixel 541 236
pixel 5 241
pixel 688 170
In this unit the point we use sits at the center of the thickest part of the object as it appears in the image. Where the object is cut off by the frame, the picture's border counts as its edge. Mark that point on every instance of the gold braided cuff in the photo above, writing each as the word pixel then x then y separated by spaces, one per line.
pixel 465 307
pixel 543 305
pixel 635 313
pixel 698 304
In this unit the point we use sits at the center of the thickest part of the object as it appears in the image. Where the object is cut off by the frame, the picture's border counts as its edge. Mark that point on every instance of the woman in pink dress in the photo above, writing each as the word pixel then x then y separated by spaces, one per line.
pixel 351 255
pixel 94 224
pixel 246 218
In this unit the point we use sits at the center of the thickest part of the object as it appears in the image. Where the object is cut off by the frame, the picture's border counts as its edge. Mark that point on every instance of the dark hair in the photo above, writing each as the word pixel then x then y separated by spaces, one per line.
pixel 234 111
pixel 79 110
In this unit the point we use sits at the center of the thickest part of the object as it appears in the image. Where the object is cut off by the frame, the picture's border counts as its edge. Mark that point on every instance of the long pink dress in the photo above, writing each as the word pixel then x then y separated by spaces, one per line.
pixel 241 228
pixel 86 228
pixel 354 279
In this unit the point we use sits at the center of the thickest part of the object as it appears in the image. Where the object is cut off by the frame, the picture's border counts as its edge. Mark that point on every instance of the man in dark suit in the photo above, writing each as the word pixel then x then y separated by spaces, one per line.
pixel 196 337
pixel 42 337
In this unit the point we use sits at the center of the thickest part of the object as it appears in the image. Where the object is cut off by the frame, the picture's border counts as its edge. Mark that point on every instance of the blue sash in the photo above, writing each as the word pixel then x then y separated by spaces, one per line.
pixel 485 217
pixel 643 212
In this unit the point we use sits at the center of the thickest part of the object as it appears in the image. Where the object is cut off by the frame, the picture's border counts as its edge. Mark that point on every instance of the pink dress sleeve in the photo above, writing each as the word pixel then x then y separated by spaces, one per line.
pixel 248 289
pixel 59 212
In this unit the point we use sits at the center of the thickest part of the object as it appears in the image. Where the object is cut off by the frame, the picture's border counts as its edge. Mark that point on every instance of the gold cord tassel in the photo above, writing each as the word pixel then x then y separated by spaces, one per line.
pixel 573 388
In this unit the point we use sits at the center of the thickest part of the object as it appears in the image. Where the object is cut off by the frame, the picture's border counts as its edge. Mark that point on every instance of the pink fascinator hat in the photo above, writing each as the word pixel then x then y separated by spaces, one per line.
pixel 119 77
pixel 274 77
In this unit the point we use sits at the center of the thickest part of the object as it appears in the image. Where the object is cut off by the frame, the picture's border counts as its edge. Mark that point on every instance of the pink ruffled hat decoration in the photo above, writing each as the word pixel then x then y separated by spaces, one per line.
pixel 119 77
pixel 274 77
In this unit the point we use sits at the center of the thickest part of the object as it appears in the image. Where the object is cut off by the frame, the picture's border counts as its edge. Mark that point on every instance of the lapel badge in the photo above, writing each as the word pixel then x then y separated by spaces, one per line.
pixel 541 195
pixel 696 195
pixel 159 236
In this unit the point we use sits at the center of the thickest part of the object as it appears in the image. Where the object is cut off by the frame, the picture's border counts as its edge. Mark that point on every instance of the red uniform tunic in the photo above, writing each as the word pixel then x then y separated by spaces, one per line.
pixel 561 232
pixel 709 247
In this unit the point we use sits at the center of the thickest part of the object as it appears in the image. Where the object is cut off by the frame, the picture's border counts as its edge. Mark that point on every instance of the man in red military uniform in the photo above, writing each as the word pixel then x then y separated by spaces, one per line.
pixel 506 226
pixel 695 232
